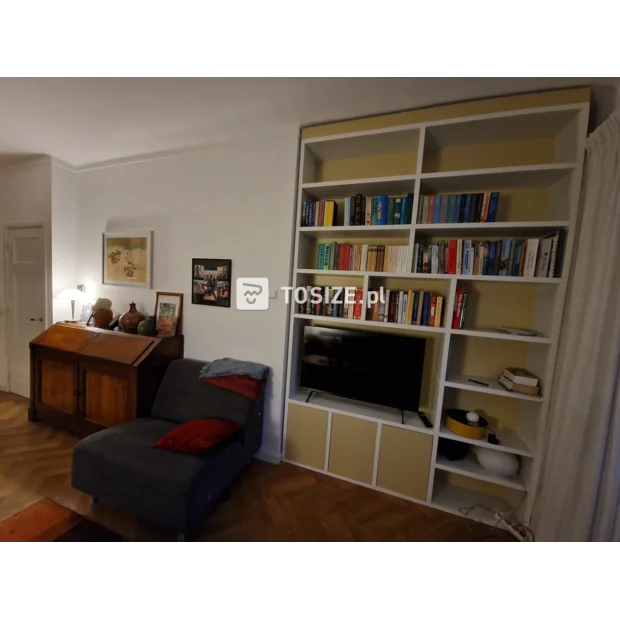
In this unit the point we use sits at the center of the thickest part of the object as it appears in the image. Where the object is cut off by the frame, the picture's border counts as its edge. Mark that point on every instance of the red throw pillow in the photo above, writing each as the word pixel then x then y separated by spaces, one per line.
pixel 197 436
pixel 246 386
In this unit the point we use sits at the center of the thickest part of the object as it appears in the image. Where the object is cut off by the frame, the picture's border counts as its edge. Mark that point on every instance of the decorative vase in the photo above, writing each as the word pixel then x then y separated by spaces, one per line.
pixel 147 326
pixel 103 317
pixel 500 463
pixel 102 313
pixel 130 320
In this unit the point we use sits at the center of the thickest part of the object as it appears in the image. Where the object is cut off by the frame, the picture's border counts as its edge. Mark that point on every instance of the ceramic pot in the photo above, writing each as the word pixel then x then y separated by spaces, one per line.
pixel 500 463
pixel 103 318
pixel 130 320
pixel 147 326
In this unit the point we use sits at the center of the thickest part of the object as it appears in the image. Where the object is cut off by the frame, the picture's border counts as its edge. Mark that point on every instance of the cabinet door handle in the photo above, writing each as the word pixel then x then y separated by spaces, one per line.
pixel 38 320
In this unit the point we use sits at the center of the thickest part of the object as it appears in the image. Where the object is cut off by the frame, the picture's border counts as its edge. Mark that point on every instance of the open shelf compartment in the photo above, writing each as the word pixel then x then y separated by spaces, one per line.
pixel 477 499
pixel 385 152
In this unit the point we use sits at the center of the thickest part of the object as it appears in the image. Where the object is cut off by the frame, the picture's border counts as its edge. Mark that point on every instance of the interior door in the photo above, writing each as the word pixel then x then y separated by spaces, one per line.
pixel 26 301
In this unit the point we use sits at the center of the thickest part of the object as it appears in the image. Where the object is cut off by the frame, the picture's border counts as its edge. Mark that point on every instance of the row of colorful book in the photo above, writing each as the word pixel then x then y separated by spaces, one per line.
pixel 407 308
pixel 458 208
pixel 363 257
pixel 540 258
pixel 333 301
pixel 359 210
pixel 319 213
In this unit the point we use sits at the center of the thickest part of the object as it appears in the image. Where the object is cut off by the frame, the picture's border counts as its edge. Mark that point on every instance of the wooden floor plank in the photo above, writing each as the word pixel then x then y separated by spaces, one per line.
pixel 268 502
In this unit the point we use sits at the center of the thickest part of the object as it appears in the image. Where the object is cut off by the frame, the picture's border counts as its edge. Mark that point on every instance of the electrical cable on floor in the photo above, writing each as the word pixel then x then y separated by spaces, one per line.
pixel 518 530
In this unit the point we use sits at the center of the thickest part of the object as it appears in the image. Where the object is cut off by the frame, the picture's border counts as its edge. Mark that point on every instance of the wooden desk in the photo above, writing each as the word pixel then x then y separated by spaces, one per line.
pixel 85 379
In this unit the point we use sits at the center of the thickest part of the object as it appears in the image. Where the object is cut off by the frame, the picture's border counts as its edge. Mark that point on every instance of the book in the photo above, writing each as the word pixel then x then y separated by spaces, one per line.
pixel 544 256
pixel 426 266
pixel 398 211
pixel 560 255
pixel 458 307
pixel 442 211
pixel 425 210
pixel 434 259
pixel 530 258
pixel 486 197
pixel 468 213
pixel 553 259
pixel 521 376
pixel 467 257
pixel 368 211
pixel 504 257
pixel 447 206
pixel 347 211
pixel 515 331
pixel 438 311
pixel 358 217
pixel 433 308
pixel 463 310
pixel 493 203
pixel 431 210
pixel 459 257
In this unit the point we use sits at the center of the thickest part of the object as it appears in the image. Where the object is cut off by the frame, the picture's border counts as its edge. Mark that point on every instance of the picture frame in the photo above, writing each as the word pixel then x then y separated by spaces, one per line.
pixel 127 258
pixel 211 281
pixel 168 314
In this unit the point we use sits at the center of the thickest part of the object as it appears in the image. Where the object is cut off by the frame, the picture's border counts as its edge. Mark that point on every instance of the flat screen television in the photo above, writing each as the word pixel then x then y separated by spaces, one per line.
pixel 382 369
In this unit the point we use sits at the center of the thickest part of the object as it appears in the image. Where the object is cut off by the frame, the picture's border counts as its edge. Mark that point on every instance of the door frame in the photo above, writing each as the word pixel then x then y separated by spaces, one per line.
pixel 7 287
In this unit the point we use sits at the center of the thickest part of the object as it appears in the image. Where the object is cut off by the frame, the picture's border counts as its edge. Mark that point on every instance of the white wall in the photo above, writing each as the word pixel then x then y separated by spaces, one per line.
pixel 64 237
pixel 25 198
pixel 233 200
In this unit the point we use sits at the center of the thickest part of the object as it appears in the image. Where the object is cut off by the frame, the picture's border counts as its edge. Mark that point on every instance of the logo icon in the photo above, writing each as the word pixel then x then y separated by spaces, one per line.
pixel 252 294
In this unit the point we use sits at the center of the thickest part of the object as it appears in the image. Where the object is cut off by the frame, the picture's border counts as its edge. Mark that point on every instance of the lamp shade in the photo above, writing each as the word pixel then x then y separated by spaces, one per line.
pixel 71 294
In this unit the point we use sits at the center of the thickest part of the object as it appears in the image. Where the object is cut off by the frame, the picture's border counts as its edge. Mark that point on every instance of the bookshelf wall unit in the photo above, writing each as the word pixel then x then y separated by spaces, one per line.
pixel 529 148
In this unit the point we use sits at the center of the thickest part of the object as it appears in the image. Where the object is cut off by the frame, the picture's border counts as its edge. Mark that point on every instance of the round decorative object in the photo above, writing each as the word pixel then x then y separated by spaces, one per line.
pixel 472 417
pixel 102 317
pixel 458 422
pixel 130 320
pixel 452 450
pixel 147 326
pixel 500 463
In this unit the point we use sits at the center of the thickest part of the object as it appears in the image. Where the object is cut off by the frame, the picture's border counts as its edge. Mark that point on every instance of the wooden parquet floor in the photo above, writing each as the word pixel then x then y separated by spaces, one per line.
pixel 267 503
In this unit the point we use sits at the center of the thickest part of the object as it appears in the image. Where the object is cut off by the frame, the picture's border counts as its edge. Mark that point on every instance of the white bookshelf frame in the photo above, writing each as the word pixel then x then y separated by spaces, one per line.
pixel 535 122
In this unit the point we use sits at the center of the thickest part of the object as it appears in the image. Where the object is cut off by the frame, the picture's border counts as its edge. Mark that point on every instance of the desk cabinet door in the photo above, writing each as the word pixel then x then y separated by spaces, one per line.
pixel 108 395
pixel 55 390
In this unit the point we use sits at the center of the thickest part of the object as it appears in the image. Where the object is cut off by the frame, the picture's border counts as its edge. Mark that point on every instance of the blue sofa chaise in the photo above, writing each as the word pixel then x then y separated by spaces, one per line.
pixel 120 467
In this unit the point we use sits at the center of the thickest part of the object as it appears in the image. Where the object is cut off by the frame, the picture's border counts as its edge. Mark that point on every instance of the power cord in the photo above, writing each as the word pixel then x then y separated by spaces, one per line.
pixel 518 530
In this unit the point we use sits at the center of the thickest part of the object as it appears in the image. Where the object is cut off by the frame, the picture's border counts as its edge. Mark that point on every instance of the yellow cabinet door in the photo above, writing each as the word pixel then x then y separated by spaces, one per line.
pixel 404 461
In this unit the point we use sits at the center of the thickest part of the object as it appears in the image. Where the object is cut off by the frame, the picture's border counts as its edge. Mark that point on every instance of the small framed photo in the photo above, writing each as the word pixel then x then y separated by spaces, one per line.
pixel 168 314
pixel 128 258
pixel 211 278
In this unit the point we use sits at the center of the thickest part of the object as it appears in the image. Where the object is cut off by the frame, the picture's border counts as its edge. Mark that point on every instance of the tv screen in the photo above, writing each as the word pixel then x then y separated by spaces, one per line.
pixel 382 369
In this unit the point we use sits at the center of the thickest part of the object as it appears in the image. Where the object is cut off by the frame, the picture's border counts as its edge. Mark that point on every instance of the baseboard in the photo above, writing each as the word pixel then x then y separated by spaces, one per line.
pixel 268 457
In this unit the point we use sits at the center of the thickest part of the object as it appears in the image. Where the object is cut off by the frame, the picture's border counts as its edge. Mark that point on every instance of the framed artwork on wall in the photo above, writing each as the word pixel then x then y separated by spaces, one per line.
pixel 211 279
pixel 168 314
pixel 128 258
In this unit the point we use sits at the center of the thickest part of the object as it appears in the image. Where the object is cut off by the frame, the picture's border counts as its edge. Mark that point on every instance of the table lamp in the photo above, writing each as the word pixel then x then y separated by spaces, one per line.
pixel 73 295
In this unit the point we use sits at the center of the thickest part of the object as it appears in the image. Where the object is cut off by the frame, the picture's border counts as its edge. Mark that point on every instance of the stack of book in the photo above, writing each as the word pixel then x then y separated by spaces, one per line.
pixel 540 258
pixel 407 308
pixel 458 208
pixel 519 380
pixel 363 257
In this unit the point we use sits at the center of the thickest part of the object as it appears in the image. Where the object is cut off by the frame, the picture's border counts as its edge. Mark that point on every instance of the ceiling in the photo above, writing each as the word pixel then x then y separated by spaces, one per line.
pixel 83 121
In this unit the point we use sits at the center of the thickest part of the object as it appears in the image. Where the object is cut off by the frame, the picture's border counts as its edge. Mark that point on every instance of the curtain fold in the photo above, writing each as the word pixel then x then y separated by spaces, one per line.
pixel 579 493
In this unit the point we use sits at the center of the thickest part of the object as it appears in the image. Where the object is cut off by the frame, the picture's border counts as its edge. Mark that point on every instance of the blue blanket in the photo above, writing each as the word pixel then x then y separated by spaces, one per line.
pixel 227 367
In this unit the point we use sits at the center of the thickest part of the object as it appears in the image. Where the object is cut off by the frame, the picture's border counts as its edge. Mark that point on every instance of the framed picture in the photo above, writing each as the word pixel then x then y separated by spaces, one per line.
pixel 168 314
pixel 128 258
pixel 211 279
pixel 86 312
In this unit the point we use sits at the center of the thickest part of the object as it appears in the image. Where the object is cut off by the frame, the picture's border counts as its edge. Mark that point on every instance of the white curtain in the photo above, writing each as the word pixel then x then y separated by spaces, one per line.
pixel 579 495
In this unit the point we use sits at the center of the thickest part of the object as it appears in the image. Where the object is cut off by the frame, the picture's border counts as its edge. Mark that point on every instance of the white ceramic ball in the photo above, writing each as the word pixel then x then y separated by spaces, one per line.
pixel 472 417
pixel 500 463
